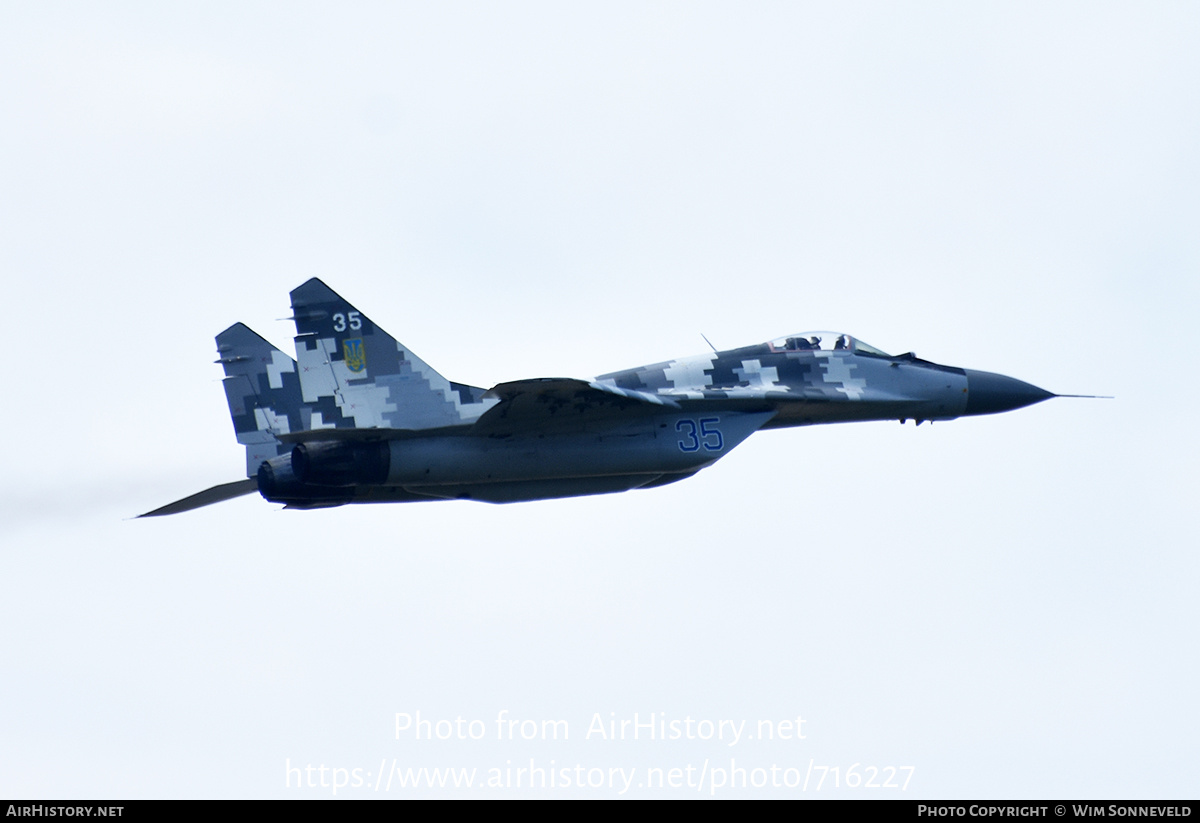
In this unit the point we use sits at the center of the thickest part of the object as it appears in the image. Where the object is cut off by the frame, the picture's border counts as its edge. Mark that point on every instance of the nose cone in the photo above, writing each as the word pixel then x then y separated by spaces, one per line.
pixel 989 393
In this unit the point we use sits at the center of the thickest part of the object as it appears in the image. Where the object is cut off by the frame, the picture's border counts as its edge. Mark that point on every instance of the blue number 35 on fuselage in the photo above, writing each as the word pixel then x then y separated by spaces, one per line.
pixel 700 434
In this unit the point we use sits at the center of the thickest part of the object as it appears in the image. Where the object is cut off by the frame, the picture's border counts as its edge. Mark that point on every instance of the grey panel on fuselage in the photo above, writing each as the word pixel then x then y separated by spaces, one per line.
pixel 526 490
pixel 669 443
pixel 514 492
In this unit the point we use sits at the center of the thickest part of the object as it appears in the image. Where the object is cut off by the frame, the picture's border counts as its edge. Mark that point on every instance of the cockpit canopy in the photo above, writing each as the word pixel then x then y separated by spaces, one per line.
pixel 824 341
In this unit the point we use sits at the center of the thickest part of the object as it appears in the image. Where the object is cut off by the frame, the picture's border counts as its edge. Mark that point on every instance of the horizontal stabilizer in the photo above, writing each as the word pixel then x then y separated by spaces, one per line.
pixel 217 494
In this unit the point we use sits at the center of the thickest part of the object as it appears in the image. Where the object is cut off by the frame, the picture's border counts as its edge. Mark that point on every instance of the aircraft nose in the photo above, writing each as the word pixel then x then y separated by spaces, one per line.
pixel 989 393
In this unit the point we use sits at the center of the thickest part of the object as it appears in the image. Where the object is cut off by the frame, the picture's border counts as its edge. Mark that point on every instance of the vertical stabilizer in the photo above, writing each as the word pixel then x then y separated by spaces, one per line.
pixel 263 392
pixel 357 376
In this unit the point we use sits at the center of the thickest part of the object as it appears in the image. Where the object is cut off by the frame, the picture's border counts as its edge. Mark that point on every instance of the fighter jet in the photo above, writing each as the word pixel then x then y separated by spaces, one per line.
pixel 358 418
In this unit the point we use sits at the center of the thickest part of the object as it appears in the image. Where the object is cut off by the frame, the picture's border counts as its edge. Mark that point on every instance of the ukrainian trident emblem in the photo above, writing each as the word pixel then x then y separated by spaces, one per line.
pixel 356 355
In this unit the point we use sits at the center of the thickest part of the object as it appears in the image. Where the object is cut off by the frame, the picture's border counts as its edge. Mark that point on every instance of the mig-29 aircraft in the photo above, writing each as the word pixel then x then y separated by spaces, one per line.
pixel 358 418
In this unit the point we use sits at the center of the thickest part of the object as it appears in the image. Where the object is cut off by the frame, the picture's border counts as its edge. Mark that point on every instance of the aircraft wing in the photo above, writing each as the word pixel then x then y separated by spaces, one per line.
pixel 774 393
pixel 560 402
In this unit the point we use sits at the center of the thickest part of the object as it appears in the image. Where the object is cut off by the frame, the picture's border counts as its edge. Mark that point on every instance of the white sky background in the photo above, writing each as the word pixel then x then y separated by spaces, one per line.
pixel 1007 604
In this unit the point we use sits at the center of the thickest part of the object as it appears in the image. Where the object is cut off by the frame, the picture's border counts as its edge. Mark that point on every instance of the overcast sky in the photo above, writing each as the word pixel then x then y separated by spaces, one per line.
pixel 998 607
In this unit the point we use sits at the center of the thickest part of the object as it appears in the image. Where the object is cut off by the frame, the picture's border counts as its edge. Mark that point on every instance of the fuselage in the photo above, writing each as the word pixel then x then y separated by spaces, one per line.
pixel 640 427
pixel 356 417
pixel 807 385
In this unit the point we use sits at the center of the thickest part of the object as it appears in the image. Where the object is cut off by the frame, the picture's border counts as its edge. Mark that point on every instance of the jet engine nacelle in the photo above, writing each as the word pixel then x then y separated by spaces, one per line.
pixel 279 484
pixel 332 463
